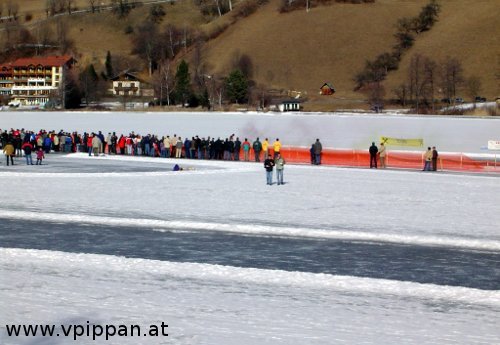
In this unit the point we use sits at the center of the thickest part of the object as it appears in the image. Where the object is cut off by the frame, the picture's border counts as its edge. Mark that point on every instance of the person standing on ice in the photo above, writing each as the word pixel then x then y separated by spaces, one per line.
pixel 9 151
pixel 276 147
pixel 28 148
pixel 39 156
pixel 435 156
pixel 96 145
pixel 246 149
pixel 265 148
pixel 382 154
pixel 280 166
pixel 373 155
pixel 318 148
pixel 268 165
pixel 257 147
pixel 427 159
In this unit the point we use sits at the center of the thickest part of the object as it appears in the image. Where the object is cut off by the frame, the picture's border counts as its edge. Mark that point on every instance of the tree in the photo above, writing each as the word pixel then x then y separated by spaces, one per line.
pixel 147 45
pixel 474 87
pixel 163 82
pixel 451 77
pixel 108 65
pixel 94 5
pixel 430 71
pixel 376 93
pixel 121 8
pixel 417 80
pixel 156 13
pixel 182 83
pixel 89 81
pixel 237 87
pixel 401 93
pixel 69 91
pixel 69 6
pixel 205 99
pixel 428 16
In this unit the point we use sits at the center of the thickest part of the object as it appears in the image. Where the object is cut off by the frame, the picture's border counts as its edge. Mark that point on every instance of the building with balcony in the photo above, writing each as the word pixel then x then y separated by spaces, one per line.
pixel 36 80
pixel 6 82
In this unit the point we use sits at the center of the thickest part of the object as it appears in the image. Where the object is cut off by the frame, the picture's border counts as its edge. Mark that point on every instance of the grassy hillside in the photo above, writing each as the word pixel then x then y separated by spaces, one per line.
pixel 468 30
pixel 302 50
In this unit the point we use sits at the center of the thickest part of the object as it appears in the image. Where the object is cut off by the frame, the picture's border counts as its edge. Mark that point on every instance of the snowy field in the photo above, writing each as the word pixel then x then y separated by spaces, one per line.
pixel 334 256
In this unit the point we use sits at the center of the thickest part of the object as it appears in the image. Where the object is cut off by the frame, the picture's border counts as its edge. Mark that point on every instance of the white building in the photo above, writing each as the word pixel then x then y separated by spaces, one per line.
pixel 35 80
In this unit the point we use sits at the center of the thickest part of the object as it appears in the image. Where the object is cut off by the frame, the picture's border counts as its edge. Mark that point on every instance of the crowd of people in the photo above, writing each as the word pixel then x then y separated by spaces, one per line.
pixel 23 142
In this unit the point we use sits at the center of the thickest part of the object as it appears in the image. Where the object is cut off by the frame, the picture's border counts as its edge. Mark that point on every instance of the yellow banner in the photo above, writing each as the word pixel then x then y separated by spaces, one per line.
pixel 402 142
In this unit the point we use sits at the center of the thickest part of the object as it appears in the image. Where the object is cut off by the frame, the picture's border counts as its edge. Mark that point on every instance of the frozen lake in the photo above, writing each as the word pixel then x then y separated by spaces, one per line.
pixel 334 256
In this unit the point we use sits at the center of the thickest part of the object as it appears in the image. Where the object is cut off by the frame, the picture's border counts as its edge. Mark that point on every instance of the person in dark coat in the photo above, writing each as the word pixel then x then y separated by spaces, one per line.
pixel 373 155
pixel 257 147
pixel 318 148
pixel 268 165
pixel 435 156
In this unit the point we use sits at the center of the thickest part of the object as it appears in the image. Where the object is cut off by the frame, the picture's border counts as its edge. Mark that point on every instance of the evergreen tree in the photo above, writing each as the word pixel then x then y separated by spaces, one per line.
pixel 182 89
pixel 205 99
pixel 109 66
pixel 89 83
pixel 237 87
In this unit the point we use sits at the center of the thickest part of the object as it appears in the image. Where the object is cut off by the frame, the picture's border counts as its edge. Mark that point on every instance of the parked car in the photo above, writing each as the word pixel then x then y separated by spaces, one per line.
pixel 459 100
pixel 479 99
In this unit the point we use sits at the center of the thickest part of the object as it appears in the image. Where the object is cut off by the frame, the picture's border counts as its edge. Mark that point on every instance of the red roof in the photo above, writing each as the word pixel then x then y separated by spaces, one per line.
pixel 47 61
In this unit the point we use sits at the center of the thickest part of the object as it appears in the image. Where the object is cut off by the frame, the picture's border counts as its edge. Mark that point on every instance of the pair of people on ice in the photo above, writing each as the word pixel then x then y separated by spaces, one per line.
pixel 269 164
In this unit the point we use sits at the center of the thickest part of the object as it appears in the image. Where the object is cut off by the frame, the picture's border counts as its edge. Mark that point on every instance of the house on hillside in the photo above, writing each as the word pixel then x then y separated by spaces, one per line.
pixel 128 84
pixel 36 80
pixel 327 89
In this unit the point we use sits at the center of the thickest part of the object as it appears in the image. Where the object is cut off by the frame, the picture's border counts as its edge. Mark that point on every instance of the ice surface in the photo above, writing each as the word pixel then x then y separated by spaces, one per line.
pixel 211 304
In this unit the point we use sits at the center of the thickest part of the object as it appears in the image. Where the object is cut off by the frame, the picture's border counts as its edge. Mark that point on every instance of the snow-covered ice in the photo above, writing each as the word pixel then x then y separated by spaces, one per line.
pixel 229 304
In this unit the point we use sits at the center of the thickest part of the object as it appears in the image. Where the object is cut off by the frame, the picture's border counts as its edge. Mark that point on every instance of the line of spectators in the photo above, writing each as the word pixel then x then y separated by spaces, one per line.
pixel 139 145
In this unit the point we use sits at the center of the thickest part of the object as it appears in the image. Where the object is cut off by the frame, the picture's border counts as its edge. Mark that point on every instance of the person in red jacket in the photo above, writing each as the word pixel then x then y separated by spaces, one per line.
pixel 39 156
pixel 28 148
pixel 89 143
pixel 121 144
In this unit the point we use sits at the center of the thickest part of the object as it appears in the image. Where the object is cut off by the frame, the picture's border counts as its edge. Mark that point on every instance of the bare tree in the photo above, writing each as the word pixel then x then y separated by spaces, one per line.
pixel 417 80
pixel 430 71
pixel 50 7
pixel 69 6
pixel 60 6
pixel 218 7
pixel 93 5
pixel 451 77
pixel 172 34
pixel 474 87
pixel 401 93
pixel 12 10
pixel 164 81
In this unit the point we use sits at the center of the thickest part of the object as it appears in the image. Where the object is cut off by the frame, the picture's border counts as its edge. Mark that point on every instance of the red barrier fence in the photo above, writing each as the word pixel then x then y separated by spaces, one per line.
pixel 394 159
